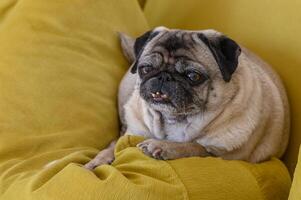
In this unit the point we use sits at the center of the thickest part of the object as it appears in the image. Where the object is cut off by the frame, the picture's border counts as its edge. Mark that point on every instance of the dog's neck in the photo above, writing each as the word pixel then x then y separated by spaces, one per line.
pixel 174 118
pixel 171 118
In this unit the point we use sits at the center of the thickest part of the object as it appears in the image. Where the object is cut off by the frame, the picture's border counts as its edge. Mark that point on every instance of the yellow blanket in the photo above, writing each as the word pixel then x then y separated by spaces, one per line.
pixel 135 176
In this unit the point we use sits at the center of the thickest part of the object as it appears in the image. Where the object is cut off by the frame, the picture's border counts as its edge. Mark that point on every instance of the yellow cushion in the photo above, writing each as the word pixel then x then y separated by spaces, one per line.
pixel 269 28
pixel 60 67
pixel 295 193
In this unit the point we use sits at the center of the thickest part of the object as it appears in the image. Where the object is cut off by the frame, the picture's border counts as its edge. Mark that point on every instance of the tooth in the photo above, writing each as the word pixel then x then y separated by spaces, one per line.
pixel 153 95
pixel 157 93
pixel 164 96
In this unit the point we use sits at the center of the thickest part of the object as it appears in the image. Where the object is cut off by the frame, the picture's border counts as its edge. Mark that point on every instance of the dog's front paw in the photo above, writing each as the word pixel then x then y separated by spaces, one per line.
pixel 104 157
pixel 155 148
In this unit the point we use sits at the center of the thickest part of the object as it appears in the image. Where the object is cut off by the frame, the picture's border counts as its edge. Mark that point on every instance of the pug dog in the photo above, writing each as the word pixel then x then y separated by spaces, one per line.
pixel 198 93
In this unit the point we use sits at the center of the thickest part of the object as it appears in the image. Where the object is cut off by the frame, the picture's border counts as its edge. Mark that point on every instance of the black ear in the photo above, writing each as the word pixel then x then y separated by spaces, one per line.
pixel 139 45
pixel 225 52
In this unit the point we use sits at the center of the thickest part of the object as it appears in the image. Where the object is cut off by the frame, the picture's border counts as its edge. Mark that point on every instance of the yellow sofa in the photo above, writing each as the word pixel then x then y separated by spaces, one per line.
pixel 59 71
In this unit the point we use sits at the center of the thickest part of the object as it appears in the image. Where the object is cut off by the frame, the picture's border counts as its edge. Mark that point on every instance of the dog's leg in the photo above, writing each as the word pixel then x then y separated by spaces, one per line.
pixel 105 156
pixel 167 150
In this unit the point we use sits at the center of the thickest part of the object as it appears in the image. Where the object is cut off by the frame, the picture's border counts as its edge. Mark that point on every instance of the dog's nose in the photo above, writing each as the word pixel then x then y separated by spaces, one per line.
pixel 165 77
pixel 159 95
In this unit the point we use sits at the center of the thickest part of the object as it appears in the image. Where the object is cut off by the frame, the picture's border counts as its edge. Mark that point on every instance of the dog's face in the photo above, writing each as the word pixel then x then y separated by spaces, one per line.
pixel 181 72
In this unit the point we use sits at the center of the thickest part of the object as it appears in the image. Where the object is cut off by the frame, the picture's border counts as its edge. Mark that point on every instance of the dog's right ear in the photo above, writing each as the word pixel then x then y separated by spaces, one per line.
pixel 132 48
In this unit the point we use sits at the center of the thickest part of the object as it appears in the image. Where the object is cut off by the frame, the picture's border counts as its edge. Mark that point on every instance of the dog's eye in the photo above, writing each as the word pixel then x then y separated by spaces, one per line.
pixel 146 69
pixel 195 77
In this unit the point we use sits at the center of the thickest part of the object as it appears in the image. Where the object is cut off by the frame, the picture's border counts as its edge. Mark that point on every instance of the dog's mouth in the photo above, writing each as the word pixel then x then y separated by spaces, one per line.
pixel 171 95
pixel 159 97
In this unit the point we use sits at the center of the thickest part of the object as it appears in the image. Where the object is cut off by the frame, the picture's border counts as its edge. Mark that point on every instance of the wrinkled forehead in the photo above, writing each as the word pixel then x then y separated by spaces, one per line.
pixel 171 45
pixel 175 40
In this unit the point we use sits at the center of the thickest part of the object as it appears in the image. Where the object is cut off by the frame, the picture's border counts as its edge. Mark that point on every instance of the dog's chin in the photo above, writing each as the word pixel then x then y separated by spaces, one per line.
pixel 158 104
pixel 168 109
pixel 163 106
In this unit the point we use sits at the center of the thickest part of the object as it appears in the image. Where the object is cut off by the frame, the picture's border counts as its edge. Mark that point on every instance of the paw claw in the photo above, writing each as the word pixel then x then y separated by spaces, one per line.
pixel 142 145
pixel 157 153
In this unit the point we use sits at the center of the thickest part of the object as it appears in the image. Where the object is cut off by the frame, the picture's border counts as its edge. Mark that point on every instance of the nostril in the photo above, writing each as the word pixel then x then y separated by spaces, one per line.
pixel 165 77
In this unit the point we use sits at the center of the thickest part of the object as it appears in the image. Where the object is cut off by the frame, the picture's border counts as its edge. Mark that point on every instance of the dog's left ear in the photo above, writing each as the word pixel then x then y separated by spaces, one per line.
pixel 132 48
pixel 127 45
pixel 225 52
